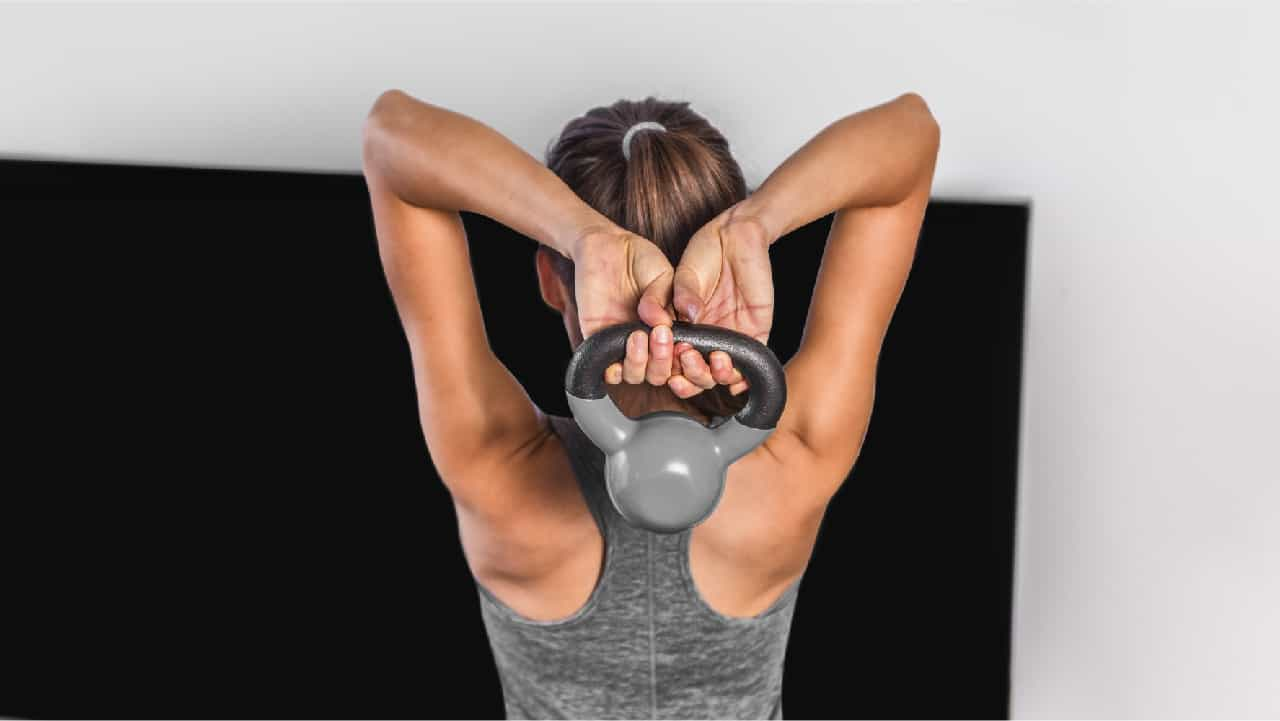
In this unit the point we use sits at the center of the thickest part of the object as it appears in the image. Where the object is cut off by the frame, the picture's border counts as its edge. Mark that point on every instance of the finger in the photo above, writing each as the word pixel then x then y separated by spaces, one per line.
pixel 681 386
pixel 676 368
pixel 660 355
pixel 637 356
pixel 653 307
pixel 737 388
pixel 722 368
pixel 613 374
pixel 687 294
pixel 736 377
pixel 697 273
pixel 696 370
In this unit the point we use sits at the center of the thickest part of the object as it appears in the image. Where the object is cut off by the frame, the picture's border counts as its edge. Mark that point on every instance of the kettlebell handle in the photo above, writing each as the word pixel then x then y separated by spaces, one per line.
pixel 767 394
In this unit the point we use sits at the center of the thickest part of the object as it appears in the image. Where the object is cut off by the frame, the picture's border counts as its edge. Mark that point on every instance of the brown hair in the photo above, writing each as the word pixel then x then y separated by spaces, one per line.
pixel 674 183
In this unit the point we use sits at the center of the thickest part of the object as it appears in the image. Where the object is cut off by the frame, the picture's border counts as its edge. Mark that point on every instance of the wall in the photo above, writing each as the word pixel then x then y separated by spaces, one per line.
pixel 1149 535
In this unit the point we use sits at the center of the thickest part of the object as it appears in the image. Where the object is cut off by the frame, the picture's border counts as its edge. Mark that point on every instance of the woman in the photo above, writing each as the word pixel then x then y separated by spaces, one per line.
pixel 587 616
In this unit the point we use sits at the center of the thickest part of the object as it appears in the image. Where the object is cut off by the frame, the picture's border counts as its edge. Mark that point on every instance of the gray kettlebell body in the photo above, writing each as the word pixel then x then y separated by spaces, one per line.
pixel 665 471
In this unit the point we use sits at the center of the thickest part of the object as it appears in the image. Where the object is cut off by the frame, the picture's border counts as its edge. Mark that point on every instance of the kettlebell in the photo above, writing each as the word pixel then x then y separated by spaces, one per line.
pixel 665 471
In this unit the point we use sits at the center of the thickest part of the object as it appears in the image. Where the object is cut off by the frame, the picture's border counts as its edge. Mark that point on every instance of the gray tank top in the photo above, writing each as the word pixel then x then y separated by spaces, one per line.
pixel 645 645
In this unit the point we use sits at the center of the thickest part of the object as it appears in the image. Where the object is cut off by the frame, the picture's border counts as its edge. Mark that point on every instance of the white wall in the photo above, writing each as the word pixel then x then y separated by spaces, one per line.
pixel 1148 578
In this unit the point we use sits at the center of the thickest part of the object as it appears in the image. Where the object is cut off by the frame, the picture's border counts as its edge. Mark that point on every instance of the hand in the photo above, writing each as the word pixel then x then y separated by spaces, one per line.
pixel 725 278
pixel 619 276
pixel 650 359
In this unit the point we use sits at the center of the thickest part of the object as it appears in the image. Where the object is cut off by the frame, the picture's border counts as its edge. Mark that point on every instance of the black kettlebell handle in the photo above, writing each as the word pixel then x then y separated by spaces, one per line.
pixel 766 397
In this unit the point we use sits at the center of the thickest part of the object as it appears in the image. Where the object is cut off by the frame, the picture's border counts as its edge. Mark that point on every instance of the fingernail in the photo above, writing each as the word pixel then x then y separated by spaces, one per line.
pixel 717 361
pixel 690 357
pixel 691 311
pixel 662 334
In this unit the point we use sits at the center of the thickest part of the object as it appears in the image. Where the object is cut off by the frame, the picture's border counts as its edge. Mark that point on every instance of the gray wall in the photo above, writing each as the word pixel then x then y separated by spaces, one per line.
pixel 1148 578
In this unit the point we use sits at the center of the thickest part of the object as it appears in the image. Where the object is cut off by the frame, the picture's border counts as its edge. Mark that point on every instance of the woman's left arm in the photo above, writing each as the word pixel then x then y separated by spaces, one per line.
pixel 423 164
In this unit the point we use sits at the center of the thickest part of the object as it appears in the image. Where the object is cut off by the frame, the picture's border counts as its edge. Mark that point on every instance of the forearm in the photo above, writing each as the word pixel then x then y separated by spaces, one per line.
pixel 433 157
pixel 875 157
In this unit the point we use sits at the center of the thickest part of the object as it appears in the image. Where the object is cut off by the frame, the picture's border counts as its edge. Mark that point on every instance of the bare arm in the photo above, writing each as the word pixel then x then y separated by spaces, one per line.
pixel 873 169
pixel 423 164
pixel 524 526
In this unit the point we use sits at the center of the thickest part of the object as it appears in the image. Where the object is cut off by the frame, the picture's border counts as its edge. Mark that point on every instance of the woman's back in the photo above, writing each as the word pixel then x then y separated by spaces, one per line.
pixel 645 644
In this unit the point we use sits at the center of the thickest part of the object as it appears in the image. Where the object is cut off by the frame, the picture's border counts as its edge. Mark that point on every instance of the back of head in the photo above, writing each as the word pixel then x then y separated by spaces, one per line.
pixel 674 183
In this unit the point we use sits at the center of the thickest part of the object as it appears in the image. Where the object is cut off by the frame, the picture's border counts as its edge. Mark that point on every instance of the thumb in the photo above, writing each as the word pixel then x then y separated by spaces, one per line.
pixel 653 301
pixel 687 295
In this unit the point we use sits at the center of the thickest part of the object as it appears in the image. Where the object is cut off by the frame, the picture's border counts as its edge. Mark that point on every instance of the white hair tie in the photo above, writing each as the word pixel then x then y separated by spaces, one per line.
pixel 626 139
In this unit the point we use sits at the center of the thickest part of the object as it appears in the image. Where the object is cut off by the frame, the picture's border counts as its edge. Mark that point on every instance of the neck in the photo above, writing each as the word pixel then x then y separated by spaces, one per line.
pixel 637 400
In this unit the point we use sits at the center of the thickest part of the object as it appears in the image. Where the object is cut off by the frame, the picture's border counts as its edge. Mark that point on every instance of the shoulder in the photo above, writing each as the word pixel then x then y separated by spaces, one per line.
pixel 522 517
pixel 825 422
pixel 776 496
pixel 514 479
pixel 760 538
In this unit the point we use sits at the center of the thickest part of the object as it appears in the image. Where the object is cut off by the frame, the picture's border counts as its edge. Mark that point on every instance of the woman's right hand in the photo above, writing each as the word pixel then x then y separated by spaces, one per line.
pixel 725 278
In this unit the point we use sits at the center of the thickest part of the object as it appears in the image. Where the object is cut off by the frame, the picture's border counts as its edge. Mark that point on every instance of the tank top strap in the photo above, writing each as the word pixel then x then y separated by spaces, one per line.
pixel 587 462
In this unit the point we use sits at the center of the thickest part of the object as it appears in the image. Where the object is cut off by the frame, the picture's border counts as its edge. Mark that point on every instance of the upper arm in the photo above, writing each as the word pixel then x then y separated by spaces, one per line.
pixel 473 411
pixel 773 504
pixel 520 514
pixel 831 378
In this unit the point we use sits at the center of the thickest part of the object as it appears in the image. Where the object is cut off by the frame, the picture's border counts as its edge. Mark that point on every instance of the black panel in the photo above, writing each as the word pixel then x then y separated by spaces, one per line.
pixel 218 502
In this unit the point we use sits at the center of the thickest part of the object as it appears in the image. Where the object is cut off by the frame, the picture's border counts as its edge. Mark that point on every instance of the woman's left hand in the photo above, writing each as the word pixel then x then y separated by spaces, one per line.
pixel 619 276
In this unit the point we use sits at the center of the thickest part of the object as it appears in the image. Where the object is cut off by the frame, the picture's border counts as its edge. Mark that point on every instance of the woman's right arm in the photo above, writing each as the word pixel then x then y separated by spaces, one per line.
pixel 874 170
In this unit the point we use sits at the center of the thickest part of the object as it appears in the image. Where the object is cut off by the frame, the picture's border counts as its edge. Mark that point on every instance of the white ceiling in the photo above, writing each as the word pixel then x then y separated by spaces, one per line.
pixel 287 85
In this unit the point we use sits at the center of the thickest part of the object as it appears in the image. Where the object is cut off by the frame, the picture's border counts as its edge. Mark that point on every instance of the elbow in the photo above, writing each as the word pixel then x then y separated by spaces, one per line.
pixel 916 103
pixel 387 112
pixel 388 104
pixel 927 123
